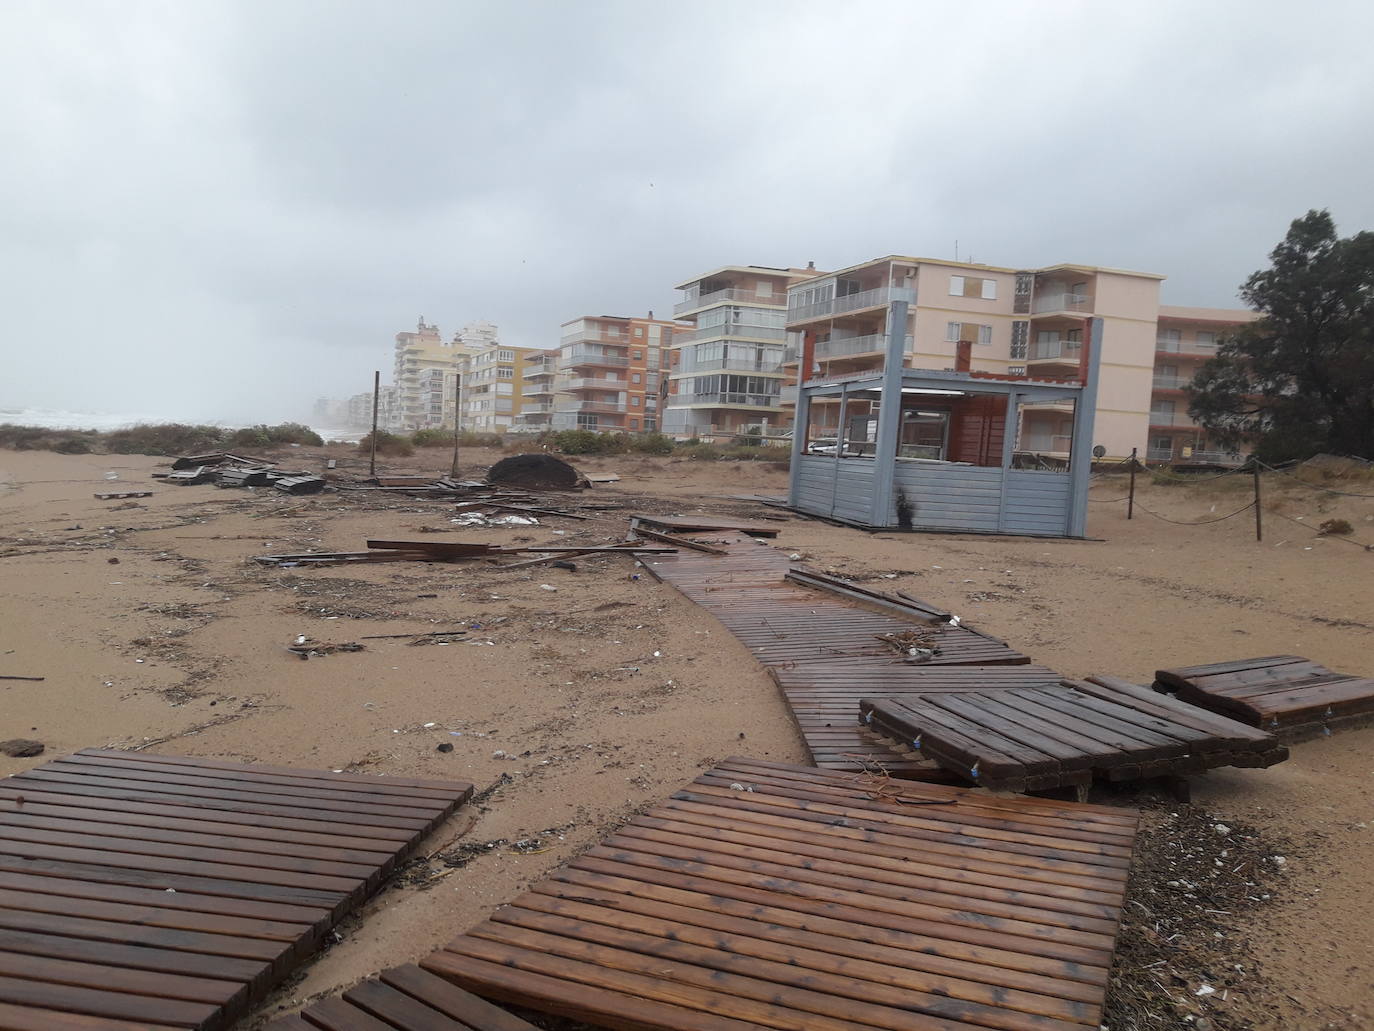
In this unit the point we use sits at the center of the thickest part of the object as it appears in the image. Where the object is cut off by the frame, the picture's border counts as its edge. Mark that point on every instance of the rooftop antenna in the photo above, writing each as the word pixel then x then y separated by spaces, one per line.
pixel 956 250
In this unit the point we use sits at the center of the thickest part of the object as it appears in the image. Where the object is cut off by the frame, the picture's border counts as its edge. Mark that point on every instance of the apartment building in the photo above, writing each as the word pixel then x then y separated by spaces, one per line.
pixel 1006 321
pixel 423 373
pixel 610 373
pixel 1184 339
pixel 727 371
pixel 538 389
pixel 491 400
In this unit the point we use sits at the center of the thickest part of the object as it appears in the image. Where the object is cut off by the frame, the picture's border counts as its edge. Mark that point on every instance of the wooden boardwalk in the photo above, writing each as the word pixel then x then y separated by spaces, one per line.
pixel 146 892
pixel 772 896
pixel 1036 738
pixel 824 651
pixel 403 999
pixel 1287 694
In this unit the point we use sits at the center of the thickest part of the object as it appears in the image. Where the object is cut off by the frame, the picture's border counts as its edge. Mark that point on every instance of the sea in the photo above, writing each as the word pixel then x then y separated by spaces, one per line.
pixel 58 419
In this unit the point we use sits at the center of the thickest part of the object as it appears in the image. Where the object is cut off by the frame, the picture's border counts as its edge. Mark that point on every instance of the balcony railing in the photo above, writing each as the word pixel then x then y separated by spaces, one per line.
pixel 1170 346
pixel 589 406
pixel 535 409
pixel 1062 302
pixel 537 391
pixel 838 347
pixel 1163 382
pixel 733 364
pixel 732 294
pixel 1159 454
pixel 730 333
pixel 542 369
pixel 592 383
pixel 579 357
pixel 754 400
pixel 788 395
pixel 1170 419
pixel 595 336
pixel 851 302
pixel 1043 350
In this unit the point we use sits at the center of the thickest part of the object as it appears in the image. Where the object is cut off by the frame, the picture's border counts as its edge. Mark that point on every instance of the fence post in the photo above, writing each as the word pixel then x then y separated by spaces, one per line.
pixel 457 419
pixel 1130 498
pixel 376 399
pixel 1259 523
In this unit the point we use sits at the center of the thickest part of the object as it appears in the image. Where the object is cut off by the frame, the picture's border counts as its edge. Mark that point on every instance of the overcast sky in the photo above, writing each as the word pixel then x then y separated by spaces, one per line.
pixel 228 209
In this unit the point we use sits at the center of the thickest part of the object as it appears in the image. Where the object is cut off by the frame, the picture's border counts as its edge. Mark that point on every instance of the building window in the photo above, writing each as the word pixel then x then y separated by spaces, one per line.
pixel 634 401
pixel 1016 370
pixel 506 373
pixel 505 356
pixel 636 355
pixel 634 424
pixel 956 331
pixel 1020 334
pixel 639 331
pixel 634 377
pixel 969 286
pixel 1206 341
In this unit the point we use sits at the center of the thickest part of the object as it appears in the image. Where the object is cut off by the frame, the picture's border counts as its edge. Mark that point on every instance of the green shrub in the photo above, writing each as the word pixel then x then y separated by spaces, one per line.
pixel 585 442
pixel 652 444
pixel 387 444
pixel 265 436
pixel 164 439
pixel 73 446
pixel 433 438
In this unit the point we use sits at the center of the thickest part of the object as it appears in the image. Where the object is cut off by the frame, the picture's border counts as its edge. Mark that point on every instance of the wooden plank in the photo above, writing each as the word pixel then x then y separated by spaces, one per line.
pixel 143 891
pixel 777 896
pixel 451 1000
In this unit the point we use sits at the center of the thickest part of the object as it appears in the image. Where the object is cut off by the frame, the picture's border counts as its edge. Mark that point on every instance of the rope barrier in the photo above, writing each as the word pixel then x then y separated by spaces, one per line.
pixel 1326 536
pixel 1201 522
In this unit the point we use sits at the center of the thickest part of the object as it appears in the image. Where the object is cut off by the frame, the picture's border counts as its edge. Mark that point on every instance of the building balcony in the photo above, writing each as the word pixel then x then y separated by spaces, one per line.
pixel 730 333
pixel 871 343
pixel 1051 304
pixel 746 400
pixel 592 335
pixel 540 369
pixel 851 302
pixel 731 295
pixel 545 390
pixel 535 409
pixel 574 359
pixel 605 407
pixel 1053 444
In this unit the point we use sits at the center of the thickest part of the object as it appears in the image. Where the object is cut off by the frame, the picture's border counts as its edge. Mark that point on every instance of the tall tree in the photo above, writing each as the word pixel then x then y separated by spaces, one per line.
pixel 1299 380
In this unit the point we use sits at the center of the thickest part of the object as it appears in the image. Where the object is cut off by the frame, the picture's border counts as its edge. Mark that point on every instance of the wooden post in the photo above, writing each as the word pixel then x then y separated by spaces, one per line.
pixel 1130 498
pixel 457 419
pixel 376 400
pixel 1259 521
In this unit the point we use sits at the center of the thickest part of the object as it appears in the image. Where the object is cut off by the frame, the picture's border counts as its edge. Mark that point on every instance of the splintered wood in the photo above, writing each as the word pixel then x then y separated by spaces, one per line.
pixel 1287 694
pixel 402 999
pixel 147 892
pixel 774 896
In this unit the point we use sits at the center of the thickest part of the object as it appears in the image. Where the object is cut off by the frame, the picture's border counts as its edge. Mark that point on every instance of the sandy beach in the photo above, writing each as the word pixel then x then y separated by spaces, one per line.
pixel 578 697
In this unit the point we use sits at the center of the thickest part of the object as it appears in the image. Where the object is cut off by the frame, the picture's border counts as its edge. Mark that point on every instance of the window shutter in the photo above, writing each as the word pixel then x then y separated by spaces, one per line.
pixel 989 289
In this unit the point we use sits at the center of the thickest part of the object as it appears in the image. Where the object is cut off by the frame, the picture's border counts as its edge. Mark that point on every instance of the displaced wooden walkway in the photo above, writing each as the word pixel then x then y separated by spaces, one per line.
pixel 773 896
pixel 1294 697
pixel 403 999
pixel 146 892
pixel 823 650
pixel 1026 739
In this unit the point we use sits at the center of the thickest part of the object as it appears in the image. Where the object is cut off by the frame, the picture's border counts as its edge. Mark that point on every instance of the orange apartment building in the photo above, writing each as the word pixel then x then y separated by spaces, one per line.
pixel 1029 322
pixel 610 373
pixel 537 388
pixel 727 371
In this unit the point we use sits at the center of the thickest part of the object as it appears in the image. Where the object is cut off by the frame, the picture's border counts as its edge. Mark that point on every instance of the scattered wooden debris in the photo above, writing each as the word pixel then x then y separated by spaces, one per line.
pixel 677 542
pixel 308 649
pixel 915 645
pixel 453 551
pixel 117 495
pixel 1023 739
pixel 246 477
pixel 10 676
pixel 688 524
pixel 300 484
pixel 190 476
pixel 218 458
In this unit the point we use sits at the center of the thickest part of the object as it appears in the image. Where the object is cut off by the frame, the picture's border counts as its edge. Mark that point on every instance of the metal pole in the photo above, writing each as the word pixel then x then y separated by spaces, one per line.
pixel 1259 523
pixel 376 400
pixel 1130 498
pixel 457 395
